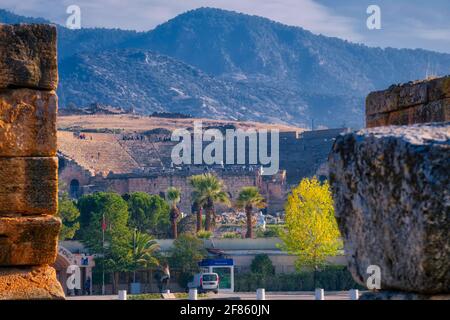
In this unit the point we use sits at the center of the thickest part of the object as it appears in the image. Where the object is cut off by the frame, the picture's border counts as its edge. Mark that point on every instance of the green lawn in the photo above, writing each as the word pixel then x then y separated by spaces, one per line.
pixel 156 296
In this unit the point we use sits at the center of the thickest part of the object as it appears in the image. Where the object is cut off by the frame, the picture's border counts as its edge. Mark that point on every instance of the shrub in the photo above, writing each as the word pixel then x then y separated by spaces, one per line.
pixel 185 255
pixel 272 231
pixel 262 265
pixel 203 234
pixel 231 235
pixel 330 278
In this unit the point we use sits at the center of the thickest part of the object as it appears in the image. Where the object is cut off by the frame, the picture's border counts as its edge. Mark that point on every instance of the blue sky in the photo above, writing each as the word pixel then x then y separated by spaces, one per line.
pixel 405 23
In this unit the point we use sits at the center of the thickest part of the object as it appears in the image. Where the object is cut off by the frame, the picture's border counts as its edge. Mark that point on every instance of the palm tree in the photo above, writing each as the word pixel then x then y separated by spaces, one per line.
pixel 249 198
pixel 144 251
pixel 197 210
pixel 174 197
pixel 208 189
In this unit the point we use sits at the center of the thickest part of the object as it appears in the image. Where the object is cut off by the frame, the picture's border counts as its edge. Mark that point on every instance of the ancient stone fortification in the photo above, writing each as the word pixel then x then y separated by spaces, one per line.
pixel 28 163
pixel 306 155
pixel 414 102
pixel 391 190
pixel 128 162
pixel 78 181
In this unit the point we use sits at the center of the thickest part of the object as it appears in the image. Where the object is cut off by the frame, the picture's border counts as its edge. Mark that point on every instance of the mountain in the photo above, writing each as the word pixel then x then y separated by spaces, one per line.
pixel 11 18
pixel 153 82
pixel 223 64
pixel 160 83
pixel 250 48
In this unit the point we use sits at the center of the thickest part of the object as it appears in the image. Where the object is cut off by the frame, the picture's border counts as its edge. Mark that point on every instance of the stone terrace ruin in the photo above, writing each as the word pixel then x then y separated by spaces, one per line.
pixel 28 163
pixel 391 188
pixel 410 103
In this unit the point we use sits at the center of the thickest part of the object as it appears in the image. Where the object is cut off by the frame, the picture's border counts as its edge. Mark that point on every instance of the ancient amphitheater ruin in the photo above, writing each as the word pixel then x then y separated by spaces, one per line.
pixel 141 161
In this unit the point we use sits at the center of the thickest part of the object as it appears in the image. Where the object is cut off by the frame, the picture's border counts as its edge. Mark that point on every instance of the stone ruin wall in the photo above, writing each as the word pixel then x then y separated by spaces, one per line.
pixel 305 155
pixel 160 184
pixel 28 163
pixel 410 103
pixel 391 188
pixel 300 156
pixel 274 189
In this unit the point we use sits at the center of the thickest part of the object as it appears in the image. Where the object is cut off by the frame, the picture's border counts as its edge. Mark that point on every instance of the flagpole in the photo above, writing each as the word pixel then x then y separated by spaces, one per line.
pixel 134 253
pixel 103 249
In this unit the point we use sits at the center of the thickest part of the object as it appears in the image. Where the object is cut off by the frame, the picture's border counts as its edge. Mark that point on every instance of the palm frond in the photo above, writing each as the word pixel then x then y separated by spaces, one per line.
pixel 173 195
pixel 250 196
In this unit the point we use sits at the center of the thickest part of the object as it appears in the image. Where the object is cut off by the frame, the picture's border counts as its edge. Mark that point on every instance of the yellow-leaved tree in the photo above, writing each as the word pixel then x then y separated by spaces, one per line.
pixel 311 231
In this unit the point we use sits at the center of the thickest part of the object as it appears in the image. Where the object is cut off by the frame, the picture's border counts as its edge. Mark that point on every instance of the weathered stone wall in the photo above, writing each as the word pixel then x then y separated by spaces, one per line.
pixel 300 156
pixel 392 198
pixel 28 164
pixel 406 104
pixel 304 155
pixel 274 189
pixel 391 192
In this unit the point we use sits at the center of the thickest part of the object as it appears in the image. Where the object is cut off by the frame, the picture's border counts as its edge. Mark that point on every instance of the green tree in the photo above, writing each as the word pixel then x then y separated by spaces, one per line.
pixel 208 190
pixel 87 204
pixel 106 213
pixel 311 229
pixel 69 214
pixel 186 253
pixel 149 213
pixel 174 197
pixel 249 198
pixel 262 265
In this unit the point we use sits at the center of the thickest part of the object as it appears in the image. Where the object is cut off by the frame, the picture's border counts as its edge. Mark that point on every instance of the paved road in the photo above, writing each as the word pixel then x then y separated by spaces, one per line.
pixel 339 295
pixel 342 295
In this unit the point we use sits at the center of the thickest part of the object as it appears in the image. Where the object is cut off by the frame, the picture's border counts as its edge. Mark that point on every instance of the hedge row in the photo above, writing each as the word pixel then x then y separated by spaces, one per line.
pixel 333 278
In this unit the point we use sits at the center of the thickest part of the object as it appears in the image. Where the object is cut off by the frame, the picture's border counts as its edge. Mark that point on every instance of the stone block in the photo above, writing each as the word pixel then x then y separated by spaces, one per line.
pixel 28 186
pixel 396 98
pixel 436 111
pixel 377 120
pixel 27 123
pixel 28 56
pixel 28 240
pixel 412 94
pixel 439 89
pixel 382 101
pixel 400 117
pixel 30 283
pixel 391 189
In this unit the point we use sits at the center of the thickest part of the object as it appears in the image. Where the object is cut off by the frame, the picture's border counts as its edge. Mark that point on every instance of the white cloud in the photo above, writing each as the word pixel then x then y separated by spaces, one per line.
pixel 304 13
pixel 146 14
pixel 435 34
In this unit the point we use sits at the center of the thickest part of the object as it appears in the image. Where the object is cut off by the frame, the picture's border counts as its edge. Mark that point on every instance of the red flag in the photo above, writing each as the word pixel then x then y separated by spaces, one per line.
pixel 103 223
